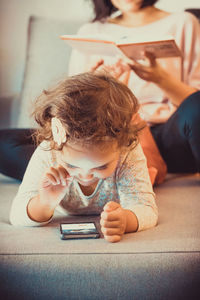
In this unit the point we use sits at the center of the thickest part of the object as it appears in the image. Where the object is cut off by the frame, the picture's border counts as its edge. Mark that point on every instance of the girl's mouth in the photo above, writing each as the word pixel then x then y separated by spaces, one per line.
pixel 86 182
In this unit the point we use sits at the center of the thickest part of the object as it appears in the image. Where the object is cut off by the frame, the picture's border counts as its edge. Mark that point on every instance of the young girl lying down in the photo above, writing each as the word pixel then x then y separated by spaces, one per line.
pixel 88 160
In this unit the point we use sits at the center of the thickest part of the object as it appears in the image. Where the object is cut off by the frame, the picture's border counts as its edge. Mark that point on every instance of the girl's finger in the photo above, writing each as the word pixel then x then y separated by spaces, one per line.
pixel 63 174
pixel 111 205
pixel 108 224
pixel 55 173
pixel 49 180
pixel 111 231
pixel 113 238
pixel 110 216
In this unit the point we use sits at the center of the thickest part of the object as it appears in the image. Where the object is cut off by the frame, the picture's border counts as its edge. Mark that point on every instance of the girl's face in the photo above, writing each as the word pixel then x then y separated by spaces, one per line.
pixel 127 5
pixel 88 165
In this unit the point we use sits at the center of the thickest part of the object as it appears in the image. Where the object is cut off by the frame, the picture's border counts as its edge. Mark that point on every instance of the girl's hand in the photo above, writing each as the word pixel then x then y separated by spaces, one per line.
pixel 113 222
pixel 53 186
pixel 150 70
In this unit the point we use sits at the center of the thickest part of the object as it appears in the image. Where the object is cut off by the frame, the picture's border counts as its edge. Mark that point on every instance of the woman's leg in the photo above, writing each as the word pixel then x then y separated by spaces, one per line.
pixel 179 138
pixel 16 149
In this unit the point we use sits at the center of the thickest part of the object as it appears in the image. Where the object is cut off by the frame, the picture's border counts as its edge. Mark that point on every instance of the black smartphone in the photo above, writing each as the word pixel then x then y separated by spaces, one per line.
pixel 82 230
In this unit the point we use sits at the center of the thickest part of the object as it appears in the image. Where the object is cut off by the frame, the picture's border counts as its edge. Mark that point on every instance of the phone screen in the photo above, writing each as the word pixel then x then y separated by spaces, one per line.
pixel 78 230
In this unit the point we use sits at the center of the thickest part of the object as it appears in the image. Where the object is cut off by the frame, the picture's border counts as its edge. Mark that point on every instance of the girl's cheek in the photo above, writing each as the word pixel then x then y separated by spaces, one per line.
pixel 71 172
pixel 100 175
pixel 105 174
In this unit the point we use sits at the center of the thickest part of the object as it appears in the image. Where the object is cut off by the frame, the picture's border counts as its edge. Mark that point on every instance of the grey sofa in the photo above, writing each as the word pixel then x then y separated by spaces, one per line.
pixel 161 263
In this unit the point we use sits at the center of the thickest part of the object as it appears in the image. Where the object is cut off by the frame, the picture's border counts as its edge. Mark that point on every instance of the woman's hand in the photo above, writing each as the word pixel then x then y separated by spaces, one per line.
pixel 96 65
pixel 150 70
pixel 118 70
pixel 53 186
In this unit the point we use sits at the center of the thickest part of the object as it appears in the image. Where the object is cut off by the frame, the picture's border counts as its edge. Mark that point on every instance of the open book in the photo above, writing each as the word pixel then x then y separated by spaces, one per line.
pixel 132 48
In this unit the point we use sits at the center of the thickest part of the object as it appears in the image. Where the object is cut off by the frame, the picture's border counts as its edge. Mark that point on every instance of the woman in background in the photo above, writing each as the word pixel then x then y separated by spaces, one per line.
pixel 167 89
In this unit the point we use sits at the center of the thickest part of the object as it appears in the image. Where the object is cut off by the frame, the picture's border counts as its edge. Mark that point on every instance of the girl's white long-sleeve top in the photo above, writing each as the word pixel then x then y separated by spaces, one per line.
pixel 129 185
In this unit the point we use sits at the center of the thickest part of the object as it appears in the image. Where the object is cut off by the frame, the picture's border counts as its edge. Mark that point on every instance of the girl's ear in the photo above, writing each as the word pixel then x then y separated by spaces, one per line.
pixel 58 131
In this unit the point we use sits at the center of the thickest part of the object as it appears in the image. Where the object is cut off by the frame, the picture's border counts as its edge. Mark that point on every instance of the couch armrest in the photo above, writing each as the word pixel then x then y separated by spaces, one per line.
pixel 9 110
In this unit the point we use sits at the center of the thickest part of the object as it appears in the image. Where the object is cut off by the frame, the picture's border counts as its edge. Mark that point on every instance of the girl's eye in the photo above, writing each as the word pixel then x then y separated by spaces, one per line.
pixel 102 167
pixel 71 166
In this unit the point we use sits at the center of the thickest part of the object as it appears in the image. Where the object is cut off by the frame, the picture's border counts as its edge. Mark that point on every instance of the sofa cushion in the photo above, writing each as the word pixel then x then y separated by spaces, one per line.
pixel 141 276
pixel 47 61
pixel 177 230
pixel 158 264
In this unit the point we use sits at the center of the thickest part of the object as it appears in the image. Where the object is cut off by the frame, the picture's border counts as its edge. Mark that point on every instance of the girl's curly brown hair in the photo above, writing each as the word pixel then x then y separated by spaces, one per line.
pixel 92 107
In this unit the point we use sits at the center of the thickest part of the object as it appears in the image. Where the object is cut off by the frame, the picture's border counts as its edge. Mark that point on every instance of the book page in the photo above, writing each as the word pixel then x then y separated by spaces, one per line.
pixel 93 46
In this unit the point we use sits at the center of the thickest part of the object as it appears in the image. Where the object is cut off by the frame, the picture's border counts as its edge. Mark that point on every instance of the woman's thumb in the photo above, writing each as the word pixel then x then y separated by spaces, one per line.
pixel 151 57
pixel 110 206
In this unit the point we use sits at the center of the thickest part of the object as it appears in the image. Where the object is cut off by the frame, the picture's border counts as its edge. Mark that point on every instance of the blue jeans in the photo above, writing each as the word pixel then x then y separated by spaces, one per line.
pixel 16 149
pixel 179 138
pixel 178 141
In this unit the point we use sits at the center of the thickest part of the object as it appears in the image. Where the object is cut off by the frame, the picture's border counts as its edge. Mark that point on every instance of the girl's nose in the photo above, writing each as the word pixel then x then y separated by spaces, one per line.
pixel 85 176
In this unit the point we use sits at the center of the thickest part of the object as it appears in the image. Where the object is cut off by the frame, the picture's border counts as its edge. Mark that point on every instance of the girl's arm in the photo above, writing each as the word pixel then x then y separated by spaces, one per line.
pixel 39 211
pixel 40 160
pixel 42 189
pixel 53 186
pixel 135 190
pixel 136 209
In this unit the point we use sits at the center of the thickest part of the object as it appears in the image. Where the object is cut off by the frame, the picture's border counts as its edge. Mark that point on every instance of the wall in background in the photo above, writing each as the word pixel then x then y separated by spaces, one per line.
pixel 14 15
